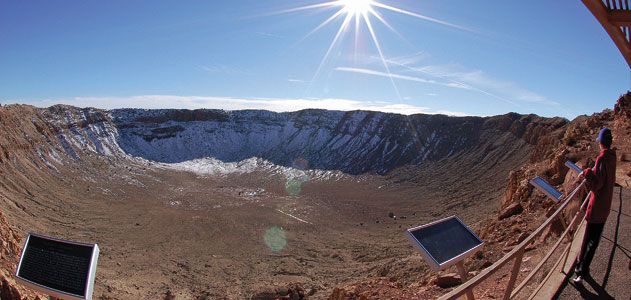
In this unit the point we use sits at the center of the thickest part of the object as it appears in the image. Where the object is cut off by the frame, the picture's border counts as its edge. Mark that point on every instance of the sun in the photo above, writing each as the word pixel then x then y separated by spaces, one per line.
pixel 357 7
pixel 362 13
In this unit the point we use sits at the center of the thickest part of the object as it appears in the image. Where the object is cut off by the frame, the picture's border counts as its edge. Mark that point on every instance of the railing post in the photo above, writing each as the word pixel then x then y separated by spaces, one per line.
pixel 513 274
pixel 576 226
pixel 463 275
pixel 561 218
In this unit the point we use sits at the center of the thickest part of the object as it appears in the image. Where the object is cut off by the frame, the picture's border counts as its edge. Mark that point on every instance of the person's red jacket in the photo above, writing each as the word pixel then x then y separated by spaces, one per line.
pixel 600 181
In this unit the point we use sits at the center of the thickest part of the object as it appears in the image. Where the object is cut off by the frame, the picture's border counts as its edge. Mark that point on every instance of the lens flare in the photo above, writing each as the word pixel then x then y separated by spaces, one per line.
pixel 293 187
pixel 300 164
pixel 275 239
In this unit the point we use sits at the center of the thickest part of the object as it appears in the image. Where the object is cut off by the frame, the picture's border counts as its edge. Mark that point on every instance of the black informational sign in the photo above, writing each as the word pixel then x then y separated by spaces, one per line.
pixel 445 242
pixel 62 269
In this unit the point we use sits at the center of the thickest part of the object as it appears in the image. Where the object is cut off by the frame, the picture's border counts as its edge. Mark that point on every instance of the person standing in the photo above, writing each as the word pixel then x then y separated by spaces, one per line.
pixel 600 181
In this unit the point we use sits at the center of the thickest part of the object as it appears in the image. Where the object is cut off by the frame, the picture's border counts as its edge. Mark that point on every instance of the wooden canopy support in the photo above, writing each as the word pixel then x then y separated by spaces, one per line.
pixel 615 17
pixel 620 17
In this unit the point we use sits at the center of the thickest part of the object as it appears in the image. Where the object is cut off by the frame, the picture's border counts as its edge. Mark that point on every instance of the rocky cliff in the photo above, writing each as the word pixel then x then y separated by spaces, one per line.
pixel 353 142
pixel 577 143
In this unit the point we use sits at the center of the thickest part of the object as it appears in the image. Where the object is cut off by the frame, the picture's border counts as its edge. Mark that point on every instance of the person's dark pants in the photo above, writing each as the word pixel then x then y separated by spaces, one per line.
pixel 588 249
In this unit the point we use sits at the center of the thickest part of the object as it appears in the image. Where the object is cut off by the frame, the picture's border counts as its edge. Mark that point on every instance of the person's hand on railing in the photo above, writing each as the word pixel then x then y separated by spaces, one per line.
pixel 581 177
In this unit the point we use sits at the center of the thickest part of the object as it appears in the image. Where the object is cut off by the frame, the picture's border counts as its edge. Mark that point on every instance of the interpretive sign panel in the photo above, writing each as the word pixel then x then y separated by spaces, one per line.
pixel 59 268
pixel 546 188
pixel 573 167
pixel 445 242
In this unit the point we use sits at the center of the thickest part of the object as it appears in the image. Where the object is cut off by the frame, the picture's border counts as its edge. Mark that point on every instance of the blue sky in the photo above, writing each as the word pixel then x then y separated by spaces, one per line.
pixel 484 58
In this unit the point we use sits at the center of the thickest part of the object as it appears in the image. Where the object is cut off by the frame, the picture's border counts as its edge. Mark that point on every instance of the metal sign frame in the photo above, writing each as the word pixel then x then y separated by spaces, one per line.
pixel 91 274
pixel 573 167
pixel 546 188
pixel 433 263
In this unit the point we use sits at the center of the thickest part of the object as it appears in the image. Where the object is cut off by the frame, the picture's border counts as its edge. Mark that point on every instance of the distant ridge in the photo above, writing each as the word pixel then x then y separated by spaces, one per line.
pixel 353 142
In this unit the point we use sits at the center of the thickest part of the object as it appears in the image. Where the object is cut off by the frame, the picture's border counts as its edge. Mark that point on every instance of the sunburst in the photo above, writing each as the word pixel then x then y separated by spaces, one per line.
pixel 357 7
pixel 361 12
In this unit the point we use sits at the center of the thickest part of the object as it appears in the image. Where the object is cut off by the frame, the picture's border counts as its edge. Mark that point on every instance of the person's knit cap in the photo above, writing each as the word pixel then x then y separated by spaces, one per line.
pixel 604 135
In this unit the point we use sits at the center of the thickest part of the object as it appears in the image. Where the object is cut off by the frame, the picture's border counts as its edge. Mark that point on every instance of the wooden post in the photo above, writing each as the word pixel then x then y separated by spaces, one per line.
pixel 513 274
pixel 463 275
pixel 562 219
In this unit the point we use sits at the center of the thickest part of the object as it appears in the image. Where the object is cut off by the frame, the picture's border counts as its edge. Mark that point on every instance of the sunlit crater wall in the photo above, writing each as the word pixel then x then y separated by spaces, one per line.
pixel 353 142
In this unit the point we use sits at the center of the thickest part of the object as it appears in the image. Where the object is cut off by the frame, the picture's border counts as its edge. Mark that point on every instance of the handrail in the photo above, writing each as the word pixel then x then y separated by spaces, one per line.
pixel 546 257
pixel 566 251
pixel 515 253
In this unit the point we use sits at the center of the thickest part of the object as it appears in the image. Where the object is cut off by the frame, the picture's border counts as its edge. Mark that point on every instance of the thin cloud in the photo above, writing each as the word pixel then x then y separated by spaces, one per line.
pixel 411 59
pixel 402 77
pixel 452 82
pixel 224 69
pixel 477 80
pixel 230 103
pixel 271 35
pixel 456 76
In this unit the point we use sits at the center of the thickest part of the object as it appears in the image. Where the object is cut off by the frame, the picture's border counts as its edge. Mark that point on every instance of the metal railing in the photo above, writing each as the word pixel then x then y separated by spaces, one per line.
pixel 517 254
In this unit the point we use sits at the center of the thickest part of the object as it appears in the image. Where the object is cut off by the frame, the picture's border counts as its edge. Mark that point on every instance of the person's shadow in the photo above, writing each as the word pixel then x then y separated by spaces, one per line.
pixel 615 243
pixel 601 293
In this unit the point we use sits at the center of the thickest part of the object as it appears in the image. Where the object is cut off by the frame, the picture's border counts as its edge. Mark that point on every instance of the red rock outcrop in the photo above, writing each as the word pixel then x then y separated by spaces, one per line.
pixel 9 250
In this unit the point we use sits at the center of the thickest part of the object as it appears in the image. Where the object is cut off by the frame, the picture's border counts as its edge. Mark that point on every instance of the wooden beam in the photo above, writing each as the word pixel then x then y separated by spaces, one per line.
pixel 620 17
pixel 598 9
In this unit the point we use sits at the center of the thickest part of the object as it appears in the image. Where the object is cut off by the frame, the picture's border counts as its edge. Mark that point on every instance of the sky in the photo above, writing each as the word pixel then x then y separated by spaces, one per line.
pixel 482 58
